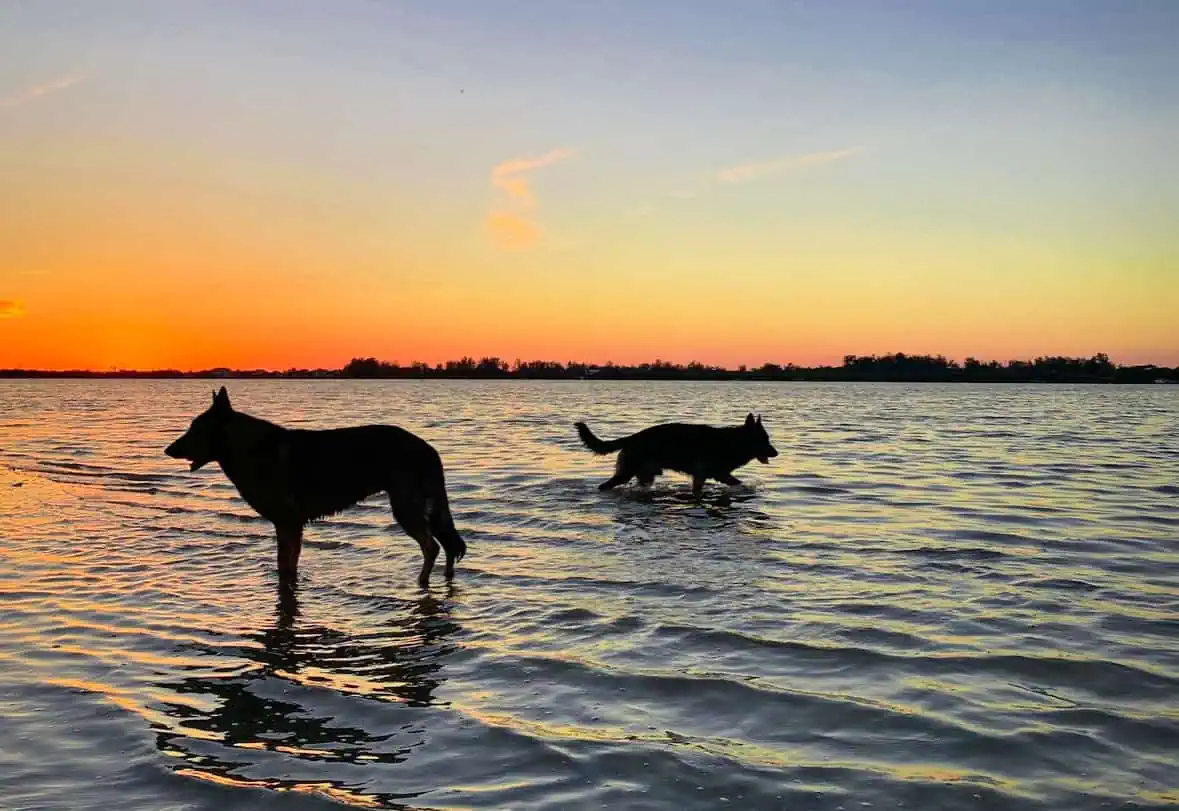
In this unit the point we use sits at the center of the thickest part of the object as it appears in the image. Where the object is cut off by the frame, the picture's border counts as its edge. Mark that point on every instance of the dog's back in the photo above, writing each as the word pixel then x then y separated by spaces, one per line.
pixel 337 467
pixel 334 468
pixel 686 447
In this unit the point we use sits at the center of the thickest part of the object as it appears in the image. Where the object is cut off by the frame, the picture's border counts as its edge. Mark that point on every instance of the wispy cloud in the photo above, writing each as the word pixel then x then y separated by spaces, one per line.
pixel 510 223
pixel 43 89
pixel 745 172
pixel 11 309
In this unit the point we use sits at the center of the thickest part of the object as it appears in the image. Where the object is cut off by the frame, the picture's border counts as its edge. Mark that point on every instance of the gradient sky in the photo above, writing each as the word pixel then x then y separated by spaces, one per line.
pixel 276 184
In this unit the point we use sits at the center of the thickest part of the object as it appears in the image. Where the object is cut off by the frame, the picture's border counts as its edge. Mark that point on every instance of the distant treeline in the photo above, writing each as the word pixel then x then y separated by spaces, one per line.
pixel 894 367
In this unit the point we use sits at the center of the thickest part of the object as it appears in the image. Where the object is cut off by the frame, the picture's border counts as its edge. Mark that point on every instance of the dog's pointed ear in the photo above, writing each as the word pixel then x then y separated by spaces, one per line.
pixel 759 419
pixel 221 399
pixel 749 420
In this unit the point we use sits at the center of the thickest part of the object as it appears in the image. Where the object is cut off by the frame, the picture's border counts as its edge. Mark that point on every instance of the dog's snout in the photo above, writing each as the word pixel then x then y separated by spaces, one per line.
pixel 171 450
pixel 773 452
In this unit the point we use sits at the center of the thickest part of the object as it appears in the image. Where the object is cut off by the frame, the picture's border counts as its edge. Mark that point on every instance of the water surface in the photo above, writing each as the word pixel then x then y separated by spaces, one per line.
pixel 937 597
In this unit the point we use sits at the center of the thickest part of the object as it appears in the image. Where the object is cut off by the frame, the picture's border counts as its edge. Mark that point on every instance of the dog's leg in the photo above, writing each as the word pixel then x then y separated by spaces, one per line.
pixel 698 485
pixel 729 479
pixel 290 544
pixel 442 528
pixel 615 480
pixel 623 472
pixel 413 521
pixel 429 549
pixel 448 570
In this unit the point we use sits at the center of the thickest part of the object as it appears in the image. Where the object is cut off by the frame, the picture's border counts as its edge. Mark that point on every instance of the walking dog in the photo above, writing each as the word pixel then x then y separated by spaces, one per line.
pixel 292 477
pixel 701 451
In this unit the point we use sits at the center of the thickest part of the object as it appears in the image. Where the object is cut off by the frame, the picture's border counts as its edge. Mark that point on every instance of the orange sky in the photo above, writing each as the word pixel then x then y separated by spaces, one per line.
pixel 242 192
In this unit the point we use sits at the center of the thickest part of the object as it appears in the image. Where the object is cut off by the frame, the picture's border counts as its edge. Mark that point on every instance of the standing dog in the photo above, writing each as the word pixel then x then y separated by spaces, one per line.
pixel 701 451
pixel 292 477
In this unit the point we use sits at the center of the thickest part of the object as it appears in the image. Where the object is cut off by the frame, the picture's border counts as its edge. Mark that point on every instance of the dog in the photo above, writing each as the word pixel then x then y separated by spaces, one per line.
pixel 292 477
pixel 701 451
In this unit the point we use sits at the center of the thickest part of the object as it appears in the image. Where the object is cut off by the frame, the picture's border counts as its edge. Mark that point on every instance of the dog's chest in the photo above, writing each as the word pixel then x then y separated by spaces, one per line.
pixel 265 482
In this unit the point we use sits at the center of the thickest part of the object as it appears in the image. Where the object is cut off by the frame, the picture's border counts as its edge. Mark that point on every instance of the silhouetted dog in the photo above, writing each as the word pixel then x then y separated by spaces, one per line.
pixel 701 451
pixel 292 477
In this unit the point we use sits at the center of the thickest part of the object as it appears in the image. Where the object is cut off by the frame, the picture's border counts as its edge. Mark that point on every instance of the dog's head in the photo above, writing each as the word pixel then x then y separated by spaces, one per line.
pixel 759 440
pixel 201 443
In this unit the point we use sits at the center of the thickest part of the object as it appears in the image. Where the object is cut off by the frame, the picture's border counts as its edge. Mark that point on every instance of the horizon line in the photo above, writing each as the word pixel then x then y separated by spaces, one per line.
pixel 516 363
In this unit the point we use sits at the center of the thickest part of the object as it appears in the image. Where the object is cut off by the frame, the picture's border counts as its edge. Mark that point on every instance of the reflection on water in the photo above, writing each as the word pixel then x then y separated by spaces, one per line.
pixel 401 663
pixel 647 509
pixel 943 597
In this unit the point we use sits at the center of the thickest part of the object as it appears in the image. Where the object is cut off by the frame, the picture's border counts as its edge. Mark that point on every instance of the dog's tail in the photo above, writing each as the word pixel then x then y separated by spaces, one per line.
pixel 593 443
pixel 442 523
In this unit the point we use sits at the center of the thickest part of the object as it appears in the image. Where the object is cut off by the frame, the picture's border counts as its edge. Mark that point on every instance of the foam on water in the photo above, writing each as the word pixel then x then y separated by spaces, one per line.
pixel 936 597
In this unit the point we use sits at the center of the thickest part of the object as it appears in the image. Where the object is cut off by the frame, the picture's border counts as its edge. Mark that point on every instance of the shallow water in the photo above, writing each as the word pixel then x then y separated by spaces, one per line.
pixel 937 597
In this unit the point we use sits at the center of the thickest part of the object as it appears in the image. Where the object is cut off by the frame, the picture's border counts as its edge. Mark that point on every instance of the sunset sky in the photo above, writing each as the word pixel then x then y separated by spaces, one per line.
pixel 276 184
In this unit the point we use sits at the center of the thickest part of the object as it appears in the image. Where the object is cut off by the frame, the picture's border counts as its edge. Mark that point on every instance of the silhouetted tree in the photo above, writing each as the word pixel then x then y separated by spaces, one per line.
pixel 896 366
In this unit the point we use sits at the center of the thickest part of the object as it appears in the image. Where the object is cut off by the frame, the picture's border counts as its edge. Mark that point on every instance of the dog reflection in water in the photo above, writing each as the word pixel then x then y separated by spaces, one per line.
pixel 390 662
pixel 395 658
